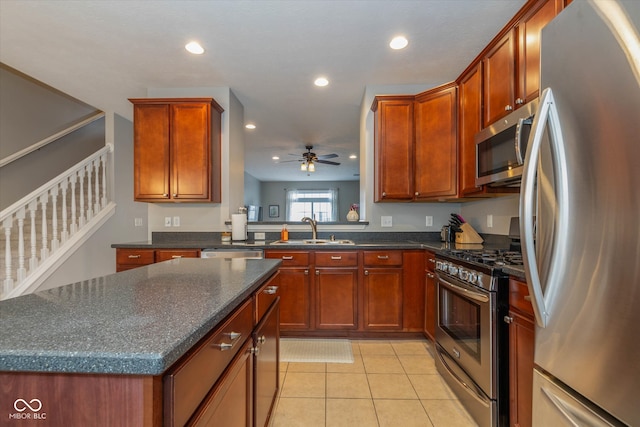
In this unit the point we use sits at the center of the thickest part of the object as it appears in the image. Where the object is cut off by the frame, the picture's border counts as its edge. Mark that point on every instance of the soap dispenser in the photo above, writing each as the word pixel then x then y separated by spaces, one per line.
pixel 284 234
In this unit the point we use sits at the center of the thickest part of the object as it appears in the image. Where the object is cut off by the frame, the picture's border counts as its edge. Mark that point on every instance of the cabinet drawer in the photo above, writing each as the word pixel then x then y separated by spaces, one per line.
pixel 383 258
pixel 265 296
pixel 134 256
pixel 290 259
pixel 189 381
pixel 167 254
pixel 430 261
pixel 337 259
pixel 519 297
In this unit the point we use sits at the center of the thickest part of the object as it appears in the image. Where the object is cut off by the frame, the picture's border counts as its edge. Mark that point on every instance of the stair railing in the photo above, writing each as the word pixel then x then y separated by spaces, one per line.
pixel 65 205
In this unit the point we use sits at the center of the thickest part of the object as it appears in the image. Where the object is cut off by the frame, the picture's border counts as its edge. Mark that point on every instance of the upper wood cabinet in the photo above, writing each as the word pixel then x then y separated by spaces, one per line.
pixel 436 143
pixel 469 123
pixel 177 149
pixel 512 61
pixel 528 31
pixel 394 142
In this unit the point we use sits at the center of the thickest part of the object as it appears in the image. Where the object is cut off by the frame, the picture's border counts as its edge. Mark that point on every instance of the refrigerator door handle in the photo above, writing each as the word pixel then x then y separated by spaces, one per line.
pixel 546 114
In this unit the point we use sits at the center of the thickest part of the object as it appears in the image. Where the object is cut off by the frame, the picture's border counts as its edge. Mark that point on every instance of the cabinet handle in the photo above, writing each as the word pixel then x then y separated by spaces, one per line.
pixel 134 256
pixel 176 256
pixel 336 258
pixel 416 193
pixel 432 261
pixel 175 194
pixel 223 346
pixel 270 290
pixel 287 257
pixel 431 275
pixel 165 195
pixel 519 101
pixel 306 272
pixel 383 256
pixel 254 350
pixel 317 272
pixel 508 319
pixel 384 194
pixel 508 108
pixel 366 272
pixel 262 339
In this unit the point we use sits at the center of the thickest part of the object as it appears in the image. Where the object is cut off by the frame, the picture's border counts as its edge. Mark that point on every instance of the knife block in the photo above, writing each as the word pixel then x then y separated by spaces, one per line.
pixel 468 235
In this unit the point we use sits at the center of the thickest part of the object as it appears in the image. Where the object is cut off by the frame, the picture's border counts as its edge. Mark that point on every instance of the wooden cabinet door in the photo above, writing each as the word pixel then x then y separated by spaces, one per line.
pixel 336 298
pixel 436 148
pixel 295 299
pixel 431 304
pixel 394 147
pixel 469 123
pixel 521 351
pixel 529 29
pixel 266 365
pixel 151 153
pixel 499 76
pixel 383 300
pixel 190 151
pixel 230 403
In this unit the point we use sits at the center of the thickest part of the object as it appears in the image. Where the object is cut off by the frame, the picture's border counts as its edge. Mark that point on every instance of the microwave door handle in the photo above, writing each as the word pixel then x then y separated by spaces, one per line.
pixel 547 113
pixel 518 141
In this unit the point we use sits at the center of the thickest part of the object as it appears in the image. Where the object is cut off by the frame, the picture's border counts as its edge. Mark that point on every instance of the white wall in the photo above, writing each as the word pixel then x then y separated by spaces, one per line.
pixel 209 216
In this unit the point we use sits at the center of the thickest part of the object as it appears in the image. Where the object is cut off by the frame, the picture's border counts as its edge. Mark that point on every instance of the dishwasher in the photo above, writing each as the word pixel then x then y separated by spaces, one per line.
pixel 245 253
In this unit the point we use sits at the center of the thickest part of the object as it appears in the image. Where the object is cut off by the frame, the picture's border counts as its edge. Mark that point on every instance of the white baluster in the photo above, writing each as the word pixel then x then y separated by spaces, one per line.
pixel 33 261
pixel 96 175
pixel 21 273
pixel 64 234
pixel 55 242
pixel 44 251
pixel 89 193
pixel 8 281
pixel 82 220
pixel 74 219
pixel 103 161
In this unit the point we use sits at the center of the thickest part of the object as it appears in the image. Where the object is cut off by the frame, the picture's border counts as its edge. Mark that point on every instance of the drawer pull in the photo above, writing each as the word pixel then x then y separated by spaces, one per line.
pixel 317 272
pixel 270 290
pixel 176 256
pixel 254 350
pixel 366 272
pixel 234 336
pixel 431 260
pixel 262 339
pixel 431 275
pixel 508 319
pixel 383 256
pixel 527 298
pixel 287 257
pixel 337 258
pixel 134 256
pixel 306 272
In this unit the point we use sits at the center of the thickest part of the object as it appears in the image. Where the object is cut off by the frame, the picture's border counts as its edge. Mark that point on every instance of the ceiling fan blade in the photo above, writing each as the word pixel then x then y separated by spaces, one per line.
pixel 327 162
pixel 328 156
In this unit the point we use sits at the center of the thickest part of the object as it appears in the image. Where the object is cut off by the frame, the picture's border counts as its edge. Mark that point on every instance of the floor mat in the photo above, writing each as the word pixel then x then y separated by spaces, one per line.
pixel 315 350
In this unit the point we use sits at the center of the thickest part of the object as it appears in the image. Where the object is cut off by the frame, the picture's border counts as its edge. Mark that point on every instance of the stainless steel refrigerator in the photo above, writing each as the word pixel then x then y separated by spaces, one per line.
pixel 580 217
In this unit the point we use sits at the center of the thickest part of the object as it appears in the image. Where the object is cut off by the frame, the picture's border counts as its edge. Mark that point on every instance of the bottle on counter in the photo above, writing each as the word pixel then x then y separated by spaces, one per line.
pixel 284 234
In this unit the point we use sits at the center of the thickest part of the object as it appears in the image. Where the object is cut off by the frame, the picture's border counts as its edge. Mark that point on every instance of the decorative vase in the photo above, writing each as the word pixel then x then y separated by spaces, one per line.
pixel 352 215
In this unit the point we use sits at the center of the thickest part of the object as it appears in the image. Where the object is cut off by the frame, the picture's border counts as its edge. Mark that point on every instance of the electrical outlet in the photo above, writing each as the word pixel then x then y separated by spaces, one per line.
pixel 429 221
pixel 176 221
pixel 258 236
pixel 167 221
pixel 489 221
pixel 386 221
pixel 137 222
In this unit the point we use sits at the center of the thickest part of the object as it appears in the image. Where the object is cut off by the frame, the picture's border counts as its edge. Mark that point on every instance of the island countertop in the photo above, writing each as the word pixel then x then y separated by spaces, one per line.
pixel 135 322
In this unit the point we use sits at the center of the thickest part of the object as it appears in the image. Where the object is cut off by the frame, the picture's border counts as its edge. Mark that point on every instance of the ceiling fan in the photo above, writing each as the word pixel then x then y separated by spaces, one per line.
pixel 309 159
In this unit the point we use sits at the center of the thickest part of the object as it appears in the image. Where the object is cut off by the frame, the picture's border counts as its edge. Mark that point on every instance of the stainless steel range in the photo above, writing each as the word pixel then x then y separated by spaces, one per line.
pixel 472 340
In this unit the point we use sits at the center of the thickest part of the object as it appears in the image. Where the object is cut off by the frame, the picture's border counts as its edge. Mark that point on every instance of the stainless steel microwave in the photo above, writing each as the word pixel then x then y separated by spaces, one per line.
pixel 501 148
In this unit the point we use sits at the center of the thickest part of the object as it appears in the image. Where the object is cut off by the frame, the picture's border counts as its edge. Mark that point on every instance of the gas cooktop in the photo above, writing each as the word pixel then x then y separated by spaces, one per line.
pixel 488 257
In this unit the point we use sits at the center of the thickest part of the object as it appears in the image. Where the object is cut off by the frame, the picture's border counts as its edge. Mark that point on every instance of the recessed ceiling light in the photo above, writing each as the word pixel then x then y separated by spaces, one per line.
pixel 399 42
pixel 353 156
pixel 250 126
pixel 195 48
pixel 275 158
pixel 321 81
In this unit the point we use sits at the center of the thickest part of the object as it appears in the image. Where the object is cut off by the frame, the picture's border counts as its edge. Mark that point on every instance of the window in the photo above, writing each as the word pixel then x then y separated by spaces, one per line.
pixel 322 205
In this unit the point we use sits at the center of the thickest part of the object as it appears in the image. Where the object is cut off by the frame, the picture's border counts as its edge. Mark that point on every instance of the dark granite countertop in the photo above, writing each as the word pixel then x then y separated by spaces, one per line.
pixel 135 322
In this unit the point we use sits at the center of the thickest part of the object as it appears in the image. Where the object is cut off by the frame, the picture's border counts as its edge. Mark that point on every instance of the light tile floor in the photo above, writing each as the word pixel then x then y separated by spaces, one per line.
pixel 390 384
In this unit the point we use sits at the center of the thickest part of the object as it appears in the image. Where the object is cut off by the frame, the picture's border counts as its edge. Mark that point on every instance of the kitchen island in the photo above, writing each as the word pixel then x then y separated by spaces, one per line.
pixel 106 351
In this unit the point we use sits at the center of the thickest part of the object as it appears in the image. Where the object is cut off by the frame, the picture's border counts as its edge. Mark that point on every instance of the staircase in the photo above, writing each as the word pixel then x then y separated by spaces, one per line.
pixel 44 228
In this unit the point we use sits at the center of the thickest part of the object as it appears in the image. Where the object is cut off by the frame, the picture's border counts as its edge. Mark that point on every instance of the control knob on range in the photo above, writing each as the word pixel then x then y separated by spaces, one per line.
pixel 463 274
pixel 473 278
pixel 453 270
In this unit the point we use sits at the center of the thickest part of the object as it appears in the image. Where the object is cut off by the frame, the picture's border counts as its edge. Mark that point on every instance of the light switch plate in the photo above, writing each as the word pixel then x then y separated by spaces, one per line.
pixel 258 236
pixel 429 221
pixel 386 221
pixel 176 221
pixel 167 221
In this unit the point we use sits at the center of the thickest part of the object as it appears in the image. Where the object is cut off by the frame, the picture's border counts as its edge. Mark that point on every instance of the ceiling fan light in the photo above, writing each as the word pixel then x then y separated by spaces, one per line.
pixel 311 167
pixel 303 167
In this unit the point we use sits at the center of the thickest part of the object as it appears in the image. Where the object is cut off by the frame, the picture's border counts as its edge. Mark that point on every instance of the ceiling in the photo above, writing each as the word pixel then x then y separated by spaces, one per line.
pixel 268 52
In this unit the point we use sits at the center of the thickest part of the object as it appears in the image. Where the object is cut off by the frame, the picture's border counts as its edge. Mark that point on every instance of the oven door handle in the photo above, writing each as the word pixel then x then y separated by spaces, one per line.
pixel 471 388
pixel 474 295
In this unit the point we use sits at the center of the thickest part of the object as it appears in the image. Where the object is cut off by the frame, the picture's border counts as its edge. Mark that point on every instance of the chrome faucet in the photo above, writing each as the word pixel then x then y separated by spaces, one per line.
pixel 314 226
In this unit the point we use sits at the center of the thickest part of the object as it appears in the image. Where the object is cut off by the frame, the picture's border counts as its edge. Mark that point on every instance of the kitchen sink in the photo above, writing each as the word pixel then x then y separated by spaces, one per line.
pixel 313 242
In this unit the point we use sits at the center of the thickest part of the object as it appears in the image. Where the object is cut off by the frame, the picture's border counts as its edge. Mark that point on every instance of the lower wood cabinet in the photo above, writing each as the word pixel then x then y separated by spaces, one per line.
pixel 336 290
pixel 521 352
pixel 266 365
pixel 430 301
pixel 383 290
pixel 294 284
